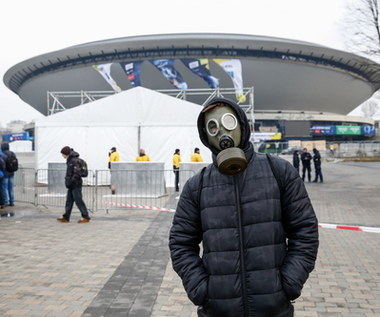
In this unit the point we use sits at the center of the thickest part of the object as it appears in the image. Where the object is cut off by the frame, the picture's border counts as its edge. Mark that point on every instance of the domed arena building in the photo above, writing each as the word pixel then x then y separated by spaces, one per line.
pixel 298 89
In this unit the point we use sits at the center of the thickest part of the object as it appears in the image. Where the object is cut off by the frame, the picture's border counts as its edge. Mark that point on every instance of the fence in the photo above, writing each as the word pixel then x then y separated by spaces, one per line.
pixel 102 189
pixel 333 149
pixel 354 149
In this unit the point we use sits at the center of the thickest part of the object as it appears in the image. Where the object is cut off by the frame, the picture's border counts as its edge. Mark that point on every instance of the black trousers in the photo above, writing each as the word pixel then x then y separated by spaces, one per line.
pixel 318 173
pixel 75 195
pixel 308 168
pixel 1 192
pixel 176 181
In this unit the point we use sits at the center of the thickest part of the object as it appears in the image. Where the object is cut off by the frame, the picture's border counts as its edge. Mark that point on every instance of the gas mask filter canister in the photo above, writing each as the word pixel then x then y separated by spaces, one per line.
pixel 224 134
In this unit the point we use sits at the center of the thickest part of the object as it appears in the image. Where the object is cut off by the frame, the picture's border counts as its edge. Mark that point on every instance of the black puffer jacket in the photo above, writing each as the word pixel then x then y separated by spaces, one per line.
pixel 257 254
pixel 6 154
pixel 73 178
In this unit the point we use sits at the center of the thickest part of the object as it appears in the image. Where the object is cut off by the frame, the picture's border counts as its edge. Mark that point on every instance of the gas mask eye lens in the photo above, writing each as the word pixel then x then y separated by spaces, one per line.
pixel 212 127
pixel 229 121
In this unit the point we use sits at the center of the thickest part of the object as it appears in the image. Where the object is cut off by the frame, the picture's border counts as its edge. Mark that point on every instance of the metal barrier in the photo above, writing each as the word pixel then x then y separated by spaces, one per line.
pixel 24 185
pixel 355 149
pixel 102 189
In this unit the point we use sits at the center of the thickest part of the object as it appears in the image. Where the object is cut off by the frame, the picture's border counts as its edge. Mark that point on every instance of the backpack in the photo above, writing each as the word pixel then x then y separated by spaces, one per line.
pixel 83 172
pixel 11 163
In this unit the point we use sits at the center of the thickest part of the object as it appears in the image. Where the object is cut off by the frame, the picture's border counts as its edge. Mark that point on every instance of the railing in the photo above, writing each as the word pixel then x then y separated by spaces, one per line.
pixel 103 189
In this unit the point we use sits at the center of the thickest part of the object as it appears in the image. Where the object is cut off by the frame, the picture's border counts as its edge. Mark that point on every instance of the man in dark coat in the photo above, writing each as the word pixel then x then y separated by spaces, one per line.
pixel 296 160
pixel 73 182
pixel 259 238
pixel 317 166
pixel 8 179
pixel 306 164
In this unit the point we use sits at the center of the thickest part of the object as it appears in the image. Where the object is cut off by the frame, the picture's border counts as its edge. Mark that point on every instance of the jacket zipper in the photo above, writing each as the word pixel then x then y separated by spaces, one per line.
pixel 241 247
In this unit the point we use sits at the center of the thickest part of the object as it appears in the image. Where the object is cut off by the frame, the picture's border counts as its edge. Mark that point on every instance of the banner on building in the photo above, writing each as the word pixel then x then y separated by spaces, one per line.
pixel 105 71
pixel 201 68
pixel 348 130
pixel 166 67
pixel 132 70
pixel 233 68
pixel 323 130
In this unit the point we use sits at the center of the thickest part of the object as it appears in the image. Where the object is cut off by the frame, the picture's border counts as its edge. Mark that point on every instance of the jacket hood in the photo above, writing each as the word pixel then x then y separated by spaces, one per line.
pixel 5 146
pixel 245 129
pixel 73 154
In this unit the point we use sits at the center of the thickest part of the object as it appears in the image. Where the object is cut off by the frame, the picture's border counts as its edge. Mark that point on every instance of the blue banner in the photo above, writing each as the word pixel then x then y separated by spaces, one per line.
pixel 323 130
pixel 201 68
pixel 132 70
pixel 368 130
pixel 166 67
pixel 23 136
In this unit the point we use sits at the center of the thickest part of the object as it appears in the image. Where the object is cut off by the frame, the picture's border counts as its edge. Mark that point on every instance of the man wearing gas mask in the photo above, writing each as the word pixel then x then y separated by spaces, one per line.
pixel 254 218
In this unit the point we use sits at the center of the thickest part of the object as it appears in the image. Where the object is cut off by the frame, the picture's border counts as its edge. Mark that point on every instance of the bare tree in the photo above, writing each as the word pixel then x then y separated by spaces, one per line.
pixel 361 28
pixel 370 108
pixel 361 32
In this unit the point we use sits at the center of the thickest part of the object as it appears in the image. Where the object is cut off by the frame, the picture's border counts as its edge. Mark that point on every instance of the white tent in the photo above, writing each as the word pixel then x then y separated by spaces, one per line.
pixel 135 118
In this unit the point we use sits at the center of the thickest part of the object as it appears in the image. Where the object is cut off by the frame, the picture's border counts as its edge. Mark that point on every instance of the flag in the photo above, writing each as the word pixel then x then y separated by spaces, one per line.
pixel 201 68
pixel 166 67
pixel 105 71
pixel 233 68
pixel 132 70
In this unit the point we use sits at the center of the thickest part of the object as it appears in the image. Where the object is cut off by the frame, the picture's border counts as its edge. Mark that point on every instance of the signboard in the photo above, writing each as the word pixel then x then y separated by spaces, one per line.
pixel 23 136
pixel 343 130
pixel 348 130
pixel 265 136
pixel 323 130
pixel 368 130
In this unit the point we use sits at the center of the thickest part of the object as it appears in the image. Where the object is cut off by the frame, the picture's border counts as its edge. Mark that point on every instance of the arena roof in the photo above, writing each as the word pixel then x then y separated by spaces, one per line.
pixel 286 74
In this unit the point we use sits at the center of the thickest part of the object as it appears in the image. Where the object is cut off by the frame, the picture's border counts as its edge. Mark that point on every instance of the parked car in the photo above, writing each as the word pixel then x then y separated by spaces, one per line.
pixel 291 150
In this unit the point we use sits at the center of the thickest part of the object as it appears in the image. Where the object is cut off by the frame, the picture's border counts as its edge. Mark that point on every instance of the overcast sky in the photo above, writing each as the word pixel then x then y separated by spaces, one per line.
pixel 34 27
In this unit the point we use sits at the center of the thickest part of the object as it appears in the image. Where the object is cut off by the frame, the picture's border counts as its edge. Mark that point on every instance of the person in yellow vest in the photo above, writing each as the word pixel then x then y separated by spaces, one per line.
pixel 176 163
pixel 142 157
pixel 113 157
pixel 196 156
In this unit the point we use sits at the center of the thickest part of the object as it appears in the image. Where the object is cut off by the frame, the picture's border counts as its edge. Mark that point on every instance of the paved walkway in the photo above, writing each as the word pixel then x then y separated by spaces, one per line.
pixel 118 264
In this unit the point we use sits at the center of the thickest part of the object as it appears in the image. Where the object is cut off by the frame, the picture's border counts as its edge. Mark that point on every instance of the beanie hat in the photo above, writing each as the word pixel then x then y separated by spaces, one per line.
pixel 66 150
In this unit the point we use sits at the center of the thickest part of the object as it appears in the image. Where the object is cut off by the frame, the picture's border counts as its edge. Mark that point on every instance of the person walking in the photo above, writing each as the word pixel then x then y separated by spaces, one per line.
pixel 196 156
pixel 176 164
pixel 317 166
pixel 11 165
pixel 2 173
pixel 253 216
pixel 306 164
pixel 296 160
pixel 113 156
pixel 142 157
pixel 73 182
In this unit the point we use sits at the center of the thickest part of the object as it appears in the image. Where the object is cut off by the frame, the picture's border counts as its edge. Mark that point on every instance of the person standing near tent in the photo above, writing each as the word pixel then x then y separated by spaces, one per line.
pixel 73 182
pixel 142 157
pixel 11 166
pixel 2 172
pixel 176 163
pixel 196 156
pixel 113 156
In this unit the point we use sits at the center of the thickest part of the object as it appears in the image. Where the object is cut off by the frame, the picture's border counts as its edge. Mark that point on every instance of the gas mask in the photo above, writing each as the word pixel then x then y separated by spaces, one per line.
pixel 224 133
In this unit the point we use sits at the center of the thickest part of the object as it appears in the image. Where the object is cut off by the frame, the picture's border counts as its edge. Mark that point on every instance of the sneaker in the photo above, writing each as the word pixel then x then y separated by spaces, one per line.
pixel 84 220
pixel 62 219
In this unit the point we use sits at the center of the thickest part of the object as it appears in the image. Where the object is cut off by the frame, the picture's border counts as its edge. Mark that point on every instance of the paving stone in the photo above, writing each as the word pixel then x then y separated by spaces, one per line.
pixel 118 264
